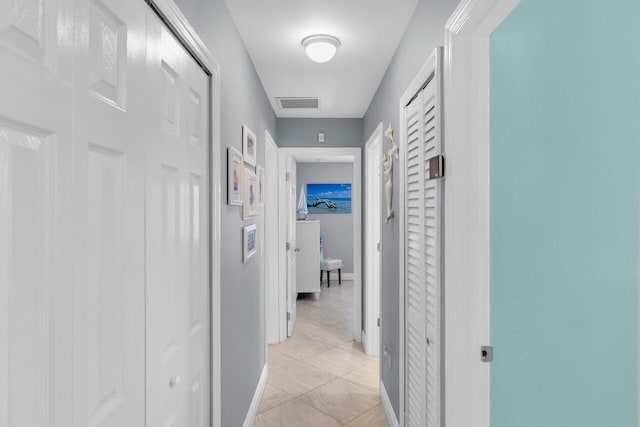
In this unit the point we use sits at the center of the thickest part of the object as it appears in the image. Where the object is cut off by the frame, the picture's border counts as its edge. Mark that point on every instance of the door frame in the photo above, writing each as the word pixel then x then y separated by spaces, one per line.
pixel 466 219
pixel 178 24
pixel 272 303
pixel 373 258
pixel 333 154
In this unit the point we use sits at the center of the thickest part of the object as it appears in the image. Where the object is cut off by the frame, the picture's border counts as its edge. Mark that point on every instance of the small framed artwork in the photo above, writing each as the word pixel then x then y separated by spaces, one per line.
pixel 249 146
pixel 234 176
pixel 261 185
pixel 249 242
pixel 250 197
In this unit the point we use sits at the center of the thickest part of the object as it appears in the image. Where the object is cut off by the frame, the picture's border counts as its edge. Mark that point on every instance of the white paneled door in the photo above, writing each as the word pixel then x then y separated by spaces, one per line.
pixel 36 128
pixel 177 243
pixel 423 248
pixel 104 219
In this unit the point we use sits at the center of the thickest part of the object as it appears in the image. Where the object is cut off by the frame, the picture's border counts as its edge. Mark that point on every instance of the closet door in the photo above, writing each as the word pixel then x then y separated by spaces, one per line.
pixel 423 248
pixel 35 215
pixel 415 298
pixel 177 235
pixel 109 261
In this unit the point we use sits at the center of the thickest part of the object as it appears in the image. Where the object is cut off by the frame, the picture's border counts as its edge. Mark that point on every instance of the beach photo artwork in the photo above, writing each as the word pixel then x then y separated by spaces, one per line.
pixel 329 198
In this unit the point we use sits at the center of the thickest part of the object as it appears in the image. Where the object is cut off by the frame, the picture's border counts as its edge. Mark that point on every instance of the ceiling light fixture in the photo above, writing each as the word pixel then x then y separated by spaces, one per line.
pixel 320 47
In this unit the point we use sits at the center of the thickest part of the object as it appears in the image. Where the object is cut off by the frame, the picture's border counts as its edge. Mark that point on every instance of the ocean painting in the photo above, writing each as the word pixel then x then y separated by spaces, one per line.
pixel 329 198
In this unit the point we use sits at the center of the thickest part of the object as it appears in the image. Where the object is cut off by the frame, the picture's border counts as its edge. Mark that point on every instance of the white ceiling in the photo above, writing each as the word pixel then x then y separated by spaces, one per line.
pixel 369 32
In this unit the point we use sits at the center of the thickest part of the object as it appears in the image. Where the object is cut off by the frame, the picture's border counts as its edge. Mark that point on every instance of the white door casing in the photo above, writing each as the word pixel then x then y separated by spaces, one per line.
pixel 271 240
pixel 373 250
pixel 334 155
pixel 466 266
pixel 421 136
pixel 292 250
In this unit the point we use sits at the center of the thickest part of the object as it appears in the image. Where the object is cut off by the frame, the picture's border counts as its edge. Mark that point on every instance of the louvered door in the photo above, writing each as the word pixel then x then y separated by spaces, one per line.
pixel 423 216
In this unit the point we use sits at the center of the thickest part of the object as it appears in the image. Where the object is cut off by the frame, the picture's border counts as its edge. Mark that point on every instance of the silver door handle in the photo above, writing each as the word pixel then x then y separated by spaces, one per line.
pixel 297 249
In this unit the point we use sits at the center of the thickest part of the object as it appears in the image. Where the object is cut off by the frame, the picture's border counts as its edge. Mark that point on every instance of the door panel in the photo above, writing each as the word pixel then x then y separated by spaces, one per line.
pixel 177 237
pixel 108 165
pixel 35 217
pixel 423 216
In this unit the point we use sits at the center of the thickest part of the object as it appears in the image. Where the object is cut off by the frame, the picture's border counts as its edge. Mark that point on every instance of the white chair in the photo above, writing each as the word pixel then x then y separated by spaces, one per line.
pixel 328 265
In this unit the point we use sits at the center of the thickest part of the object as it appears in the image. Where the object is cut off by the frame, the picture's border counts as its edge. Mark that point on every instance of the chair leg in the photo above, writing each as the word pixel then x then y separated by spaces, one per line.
pixel 328 279
pixel 339 276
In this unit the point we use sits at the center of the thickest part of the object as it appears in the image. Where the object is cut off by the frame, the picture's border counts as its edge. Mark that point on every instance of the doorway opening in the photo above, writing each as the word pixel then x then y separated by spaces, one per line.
pixel 288 200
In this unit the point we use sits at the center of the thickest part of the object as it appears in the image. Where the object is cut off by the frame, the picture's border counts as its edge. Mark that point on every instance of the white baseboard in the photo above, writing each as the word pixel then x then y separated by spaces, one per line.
pixel 257 396
pixel 388 409
pixel 334 277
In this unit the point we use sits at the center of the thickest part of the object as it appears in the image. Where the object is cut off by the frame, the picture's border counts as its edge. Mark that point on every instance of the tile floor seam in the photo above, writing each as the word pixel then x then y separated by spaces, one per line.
pixel 324 324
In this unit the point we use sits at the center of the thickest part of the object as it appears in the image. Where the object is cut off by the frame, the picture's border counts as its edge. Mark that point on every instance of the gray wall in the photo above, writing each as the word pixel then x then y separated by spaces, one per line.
pixel 425 32
pixel 304 132
pixel 336 229
pixel 243 101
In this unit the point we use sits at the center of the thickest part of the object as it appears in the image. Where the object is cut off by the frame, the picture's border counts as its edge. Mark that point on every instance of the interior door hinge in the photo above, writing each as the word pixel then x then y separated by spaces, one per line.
pixel 288 176
pixel 378 322
pixel 287 246
pixel 288 316
pixel 378 246
pixel 436 167
pixel 486 353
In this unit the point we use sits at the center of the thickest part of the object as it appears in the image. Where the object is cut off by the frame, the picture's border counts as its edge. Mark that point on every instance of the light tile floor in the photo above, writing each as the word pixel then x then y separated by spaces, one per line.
pixel 319 377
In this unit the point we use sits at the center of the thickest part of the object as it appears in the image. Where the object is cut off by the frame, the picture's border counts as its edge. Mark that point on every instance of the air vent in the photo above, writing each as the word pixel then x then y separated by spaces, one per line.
pixel 289 103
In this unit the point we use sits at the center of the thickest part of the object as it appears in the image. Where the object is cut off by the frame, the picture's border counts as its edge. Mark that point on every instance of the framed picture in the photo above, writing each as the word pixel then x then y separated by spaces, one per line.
pixel 329 198
pixel 250 196
pixel 249 242
pixel 249 145
pixel 235 171
pixel 261 185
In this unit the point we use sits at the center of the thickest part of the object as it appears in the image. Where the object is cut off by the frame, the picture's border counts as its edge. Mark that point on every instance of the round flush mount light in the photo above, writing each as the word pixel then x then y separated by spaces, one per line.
pixel 320 47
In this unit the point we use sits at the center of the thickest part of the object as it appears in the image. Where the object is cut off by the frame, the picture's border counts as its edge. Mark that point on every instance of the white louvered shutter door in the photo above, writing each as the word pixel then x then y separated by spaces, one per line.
pixel 432 248
pixel 415 332
pixel 423 217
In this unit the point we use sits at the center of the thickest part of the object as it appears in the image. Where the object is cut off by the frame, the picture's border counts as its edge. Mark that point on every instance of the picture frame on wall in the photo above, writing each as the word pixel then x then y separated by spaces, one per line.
pixel 261 185
pixel 250 196
pixel 249 242
pixel 235 172
pixel 249 146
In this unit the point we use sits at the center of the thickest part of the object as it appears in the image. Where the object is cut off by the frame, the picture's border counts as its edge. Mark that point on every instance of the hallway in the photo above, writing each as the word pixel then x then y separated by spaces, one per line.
pixel 319 376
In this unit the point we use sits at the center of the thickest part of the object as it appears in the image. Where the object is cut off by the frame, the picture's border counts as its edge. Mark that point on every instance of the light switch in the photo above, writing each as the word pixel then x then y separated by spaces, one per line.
pixel 320 136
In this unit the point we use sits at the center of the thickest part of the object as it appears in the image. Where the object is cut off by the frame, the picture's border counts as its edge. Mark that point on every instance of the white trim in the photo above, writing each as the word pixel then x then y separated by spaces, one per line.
pixel 392 419
pixel 257 397
pixel 466 73
pixel 373 260
pixel 187 34
pixel 345 276
pixel 416 84
pixel 354 154
pixel 271 240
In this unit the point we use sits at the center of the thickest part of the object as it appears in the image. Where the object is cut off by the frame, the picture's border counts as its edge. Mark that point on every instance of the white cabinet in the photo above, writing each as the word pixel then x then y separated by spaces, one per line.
pixel 308 258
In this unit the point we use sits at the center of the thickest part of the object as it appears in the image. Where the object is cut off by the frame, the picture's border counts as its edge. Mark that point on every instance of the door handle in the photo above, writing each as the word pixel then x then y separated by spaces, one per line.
pixel 297 249
pixel 174 381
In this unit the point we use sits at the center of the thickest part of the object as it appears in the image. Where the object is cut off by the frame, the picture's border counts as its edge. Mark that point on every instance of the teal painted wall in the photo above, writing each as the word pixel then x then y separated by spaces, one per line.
pixel 565 132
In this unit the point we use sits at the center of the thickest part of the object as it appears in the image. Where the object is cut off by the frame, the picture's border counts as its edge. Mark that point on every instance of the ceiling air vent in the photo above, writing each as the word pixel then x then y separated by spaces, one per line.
pixel 290 103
